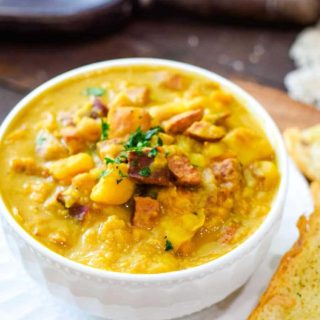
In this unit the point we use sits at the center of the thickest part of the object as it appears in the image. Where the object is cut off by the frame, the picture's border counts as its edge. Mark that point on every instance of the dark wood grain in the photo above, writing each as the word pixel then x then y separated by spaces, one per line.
pixel 285 111
pixel 259 54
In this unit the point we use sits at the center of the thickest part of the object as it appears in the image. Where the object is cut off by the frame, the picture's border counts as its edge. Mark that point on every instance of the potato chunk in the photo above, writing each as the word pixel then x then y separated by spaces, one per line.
pixel 248 145
pixel 49 147
pixel 28 166
pixel 115 188
pixel 266 172
pixel 89 129
pixel 71 166
pixel 182 228
pixel 124 120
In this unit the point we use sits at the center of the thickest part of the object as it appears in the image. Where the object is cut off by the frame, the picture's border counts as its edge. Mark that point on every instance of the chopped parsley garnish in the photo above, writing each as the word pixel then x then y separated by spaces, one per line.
pixel 149 134
pixel 145 172
pixel 108 160
pixel 95 91
pixel 122 175
pixel 152 153
pixel 139 139
pixel 159 142
pixel 169 245
pixel 119 180
pixel 105 173
pixel 153 194
pixel 40 140
pixel 104 130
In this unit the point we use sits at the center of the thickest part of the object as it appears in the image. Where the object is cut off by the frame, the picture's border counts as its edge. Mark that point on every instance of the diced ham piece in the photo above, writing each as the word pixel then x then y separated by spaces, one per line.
pixel 182 121
pixel 125 120
pixel 139 161
pixel 99 109
pixel 228 174
pixel 185 173
pixel 147 211
pixel 205 131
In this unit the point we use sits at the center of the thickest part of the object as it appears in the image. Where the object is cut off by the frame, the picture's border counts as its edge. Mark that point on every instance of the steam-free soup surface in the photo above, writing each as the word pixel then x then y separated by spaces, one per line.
pixel 138 169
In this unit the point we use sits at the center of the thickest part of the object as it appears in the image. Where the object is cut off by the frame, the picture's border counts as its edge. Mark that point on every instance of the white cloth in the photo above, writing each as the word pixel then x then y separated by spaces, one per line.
pixel 303 84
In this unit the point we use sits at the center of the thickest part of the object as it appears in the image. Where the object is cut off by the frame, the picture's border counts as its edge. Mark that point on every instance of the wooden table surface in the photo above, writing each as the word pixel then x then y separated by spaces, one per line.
pixel 256 53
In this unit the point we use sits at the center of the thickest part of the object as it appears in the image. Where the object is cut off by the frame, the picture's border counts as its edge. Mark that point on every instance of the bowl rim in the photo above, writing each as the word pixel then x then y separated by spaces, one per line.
pixel 209 267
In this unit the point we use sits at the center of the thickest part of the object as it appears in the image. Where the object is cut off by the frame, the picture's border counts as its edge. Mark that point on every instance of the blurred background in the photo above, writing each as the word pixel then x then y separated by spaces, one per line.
pixel 248 39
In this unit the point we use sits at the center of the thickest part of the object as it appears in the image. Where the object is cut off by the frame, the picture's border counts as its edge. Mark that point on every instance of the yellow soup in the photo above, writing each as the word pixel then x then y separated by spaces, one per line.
pixel 138 170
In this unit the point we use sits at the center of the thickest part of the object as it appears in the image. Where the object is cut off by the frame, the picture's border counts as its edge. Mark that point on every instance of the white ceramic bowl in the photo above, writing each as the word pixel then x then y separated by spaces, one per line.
pixel 157 296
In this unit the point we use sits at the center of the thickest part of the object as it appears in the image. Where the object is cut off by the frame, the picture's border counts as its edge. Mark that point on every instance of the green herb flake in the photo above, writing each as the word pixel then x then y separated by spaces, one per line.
pixel 108 160
pixel 159 142
pixel 104 130
pixel 95 91
pixel 105 173
pixel 139 140
pixel 121 174
pixel 145 172
pixel 41 140
pixel 169 245
pixel 119 180
pixel 152 153
pixel 150 133
pixel 153 194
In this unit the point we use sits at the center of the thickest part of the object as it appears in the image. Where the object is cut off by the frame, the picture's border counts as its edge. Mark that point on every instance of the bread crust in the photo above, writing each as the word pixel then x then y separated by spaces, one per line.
pixel 307 229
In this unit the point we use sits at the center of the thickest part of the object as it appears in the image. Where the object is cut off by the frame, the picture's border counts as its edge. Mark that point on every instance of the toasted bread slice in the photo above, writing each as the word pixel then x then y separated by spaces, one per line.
pixel 294 291
pixel 304 148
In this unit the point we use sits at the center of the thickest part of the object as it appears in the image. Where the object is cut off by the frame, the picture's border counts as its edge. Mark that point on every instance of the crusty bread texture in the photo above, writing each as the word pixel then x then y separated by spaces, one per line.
pixel 294 291
pixel 304 147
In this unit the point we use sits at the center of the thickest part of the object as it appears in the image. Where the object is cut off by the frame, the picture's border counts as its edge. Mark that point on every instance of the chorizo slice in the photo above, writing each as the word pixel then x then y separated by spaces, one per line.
pixel 180 122
pixel 147 211
pixel 229 174
pixel 185 173
pixel 205 131
pixel 142 169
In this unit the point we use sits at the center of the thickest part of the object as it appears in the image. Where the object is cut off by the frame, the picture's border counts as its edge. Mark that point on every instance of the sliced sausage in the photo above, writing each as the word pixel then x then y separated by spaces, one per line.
pixel 146 213
pixel 205 131
pixel 141 169
pixel 228 174
pixel 182 121
pixel 185 173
